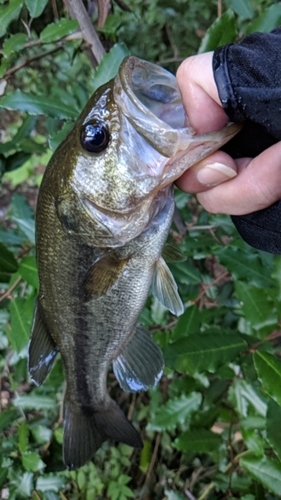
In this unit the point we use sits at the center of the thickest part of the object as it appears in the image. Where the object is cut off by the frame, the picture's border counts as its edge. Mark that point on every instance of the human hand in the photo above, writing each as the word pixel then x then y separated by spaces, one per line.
pixel 223 184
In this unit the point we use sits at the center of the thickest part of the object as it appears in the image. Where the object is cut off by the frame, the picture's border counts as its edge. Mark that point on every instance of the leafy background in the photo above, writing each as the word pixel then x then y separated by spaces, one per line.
pixel 211 428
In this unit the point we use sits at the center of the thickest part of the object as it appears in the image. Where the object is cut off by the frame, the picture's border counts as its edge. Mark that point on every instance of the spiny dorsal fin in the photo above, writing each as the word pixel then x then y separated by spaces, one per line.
pixel 140 363
pixel 170 253
pixel 42 349
pixel 102 275
pixel 165 289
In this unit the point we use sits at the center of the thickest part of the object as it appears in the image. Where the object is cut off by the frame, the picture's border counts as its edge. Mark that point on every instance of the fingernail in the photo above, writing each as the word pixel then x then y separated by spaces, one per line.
pixel 215 173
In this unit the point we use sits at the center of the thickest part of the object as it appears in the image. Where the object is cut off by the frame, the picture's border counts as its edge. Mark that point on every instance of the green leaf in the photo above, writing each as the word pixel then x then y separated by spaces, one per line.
pixel 188 324
pixel 14 44
pixel 21 311
pixel 267 21
pixel 273 419
pixel 175 412
pixel 8 14
pixel 37 105
pixel 28 271
pixel 268 369
pixel 31 461
pixel 23 433
pixel 34 402
pixel 198 441
pixel 242 394
pixel 186 273
pixel 41 434
pixel 243 8
pixel 35 7
pixel 203 352
pixel 27 227
pixel 245 266
pixel 59 29
pixel 222 31
pixel 7 418
pixel 256 304
pixel 174 495
pixel 8 263
pixel 266 471
pixel 109 65
pixel 50 482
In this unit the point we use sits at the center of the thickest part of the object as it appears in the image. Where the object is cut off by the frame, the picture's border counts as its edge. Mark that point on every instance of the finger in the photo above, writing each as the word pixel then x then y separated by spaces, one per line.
pixel 213 170
pixel 256 186
pixel 199 93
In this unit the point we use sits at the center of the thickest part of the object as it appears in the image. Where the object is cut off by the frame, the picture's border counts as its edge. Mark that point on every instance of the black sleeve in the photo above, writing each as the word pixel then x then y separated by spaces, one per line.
pixel 248 77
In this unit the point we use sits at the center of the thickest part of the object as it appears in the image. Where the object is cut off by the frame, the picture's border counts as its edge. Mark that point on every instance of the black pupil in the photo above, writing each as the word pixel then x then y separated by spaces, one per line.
pixel 95 137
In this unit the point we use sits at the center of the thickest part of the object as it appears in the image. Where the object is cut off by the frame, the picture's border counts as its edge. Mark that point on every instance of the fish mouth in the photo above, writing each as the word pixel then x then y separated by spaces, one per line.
pixel 149 97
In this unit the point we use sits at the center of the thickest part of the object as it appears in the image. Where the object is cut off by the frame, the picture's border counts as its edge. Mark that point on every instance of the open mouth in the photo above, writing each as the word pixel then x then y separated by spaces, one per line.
pixel 153 89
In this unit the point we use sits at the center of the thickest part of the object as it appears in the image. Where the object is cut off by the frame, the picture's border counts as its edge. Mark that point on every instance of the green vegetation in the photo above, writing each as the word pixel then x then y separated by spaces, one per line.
pixel 211 428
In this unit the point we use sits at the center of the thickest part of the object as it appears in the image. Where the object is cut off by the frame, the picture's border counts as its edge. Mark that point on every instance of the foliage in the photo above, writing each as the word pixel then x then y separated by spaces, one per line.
pixel 211 427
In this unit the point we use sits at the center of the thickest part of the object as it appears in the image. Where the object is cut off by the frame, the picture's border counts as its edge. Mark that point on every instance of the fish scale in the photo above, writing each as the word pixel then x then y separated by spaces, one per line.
pixel 104 211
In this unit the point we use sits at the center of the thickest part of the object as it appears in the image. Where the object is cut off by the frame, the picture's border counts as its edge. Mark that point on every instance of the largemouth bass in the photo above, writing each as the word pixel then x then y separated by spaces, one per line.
pixel 104 211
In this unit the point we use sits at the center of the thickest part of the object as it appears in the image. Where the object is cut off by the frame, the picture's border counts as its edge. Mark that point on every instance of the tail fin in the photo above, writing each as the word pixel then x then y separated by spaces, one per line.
pixel 84 432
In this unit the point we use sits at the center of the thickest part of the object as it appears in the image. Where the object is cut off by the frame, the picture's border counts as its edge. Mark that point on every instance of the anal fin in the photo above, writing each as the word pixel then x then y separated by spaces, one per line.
pixel 42 349
pixel 140 364
pixel 165 289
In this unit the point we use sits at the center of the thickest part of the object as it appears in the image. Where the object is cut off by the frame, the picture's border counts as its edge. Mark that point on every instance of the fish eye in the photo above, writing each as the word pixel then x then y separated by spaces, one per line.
pixel 94 137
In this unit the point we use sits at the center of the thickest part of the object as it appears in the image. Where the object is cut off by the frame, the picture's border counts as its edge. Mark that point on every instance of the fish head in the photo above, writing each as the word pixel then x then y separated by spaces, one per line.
pixel 130 143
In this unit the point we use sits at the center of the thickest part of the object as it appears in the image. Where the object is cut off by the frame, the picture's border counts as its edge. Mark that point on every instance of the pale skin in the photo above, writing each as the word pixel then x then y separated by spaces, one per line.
pixel 223 184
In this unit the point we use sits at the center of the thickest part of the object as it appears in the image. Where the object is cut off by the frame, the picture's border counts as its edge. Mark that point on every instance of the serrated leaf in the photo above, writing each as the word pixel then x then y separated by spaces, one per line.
pixel 31 461
pixel 21 311
pixel 203 352
pixel 37 105
pixel 267 21
pixel 35 7
pixel 198 441
pixel 57 30
pixel 50 482
pixel 222 31
pixel 109 65
pixel 8 14
pixel 175 412
pixel 34 402
pixel 266 471
pixel 268 369
pixel 28 271
pixel 242 394
pixel 273 419
pixel 14 43
pixel 8 263
pixel 256 304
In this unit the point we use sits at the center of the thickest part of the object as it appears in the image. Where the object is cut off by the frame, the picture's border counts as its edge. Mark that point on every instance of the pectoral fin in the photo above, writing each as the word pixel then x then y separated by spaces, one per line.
pixel 165 289
pixel 102 275
pixel 42 349
pixel 140 364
